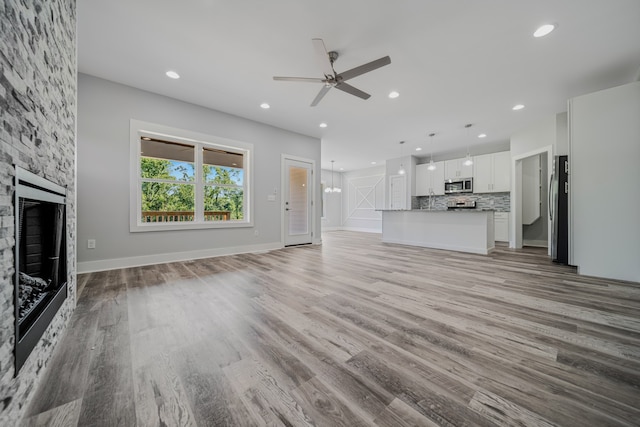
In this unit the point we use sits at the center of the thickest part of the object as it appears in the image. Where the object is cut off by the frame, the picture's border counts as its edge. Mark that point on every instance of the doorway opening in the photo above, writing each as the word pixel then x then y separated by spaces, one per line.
pixel 530 199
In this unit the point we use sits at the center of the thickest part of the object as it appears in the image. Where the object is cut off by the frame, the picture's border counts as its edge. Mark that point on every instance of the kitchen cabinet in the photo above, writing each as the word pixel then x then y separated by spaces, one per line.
pixel 455 169
pixel 430 181
pixel 492 173
pixel 501 226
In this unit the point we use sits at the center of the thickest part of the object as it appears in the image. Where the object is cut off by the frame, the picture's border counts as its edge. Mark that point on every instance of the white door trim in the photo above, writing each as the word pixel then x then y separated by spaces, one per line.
pixel 515 239
pixel 315 180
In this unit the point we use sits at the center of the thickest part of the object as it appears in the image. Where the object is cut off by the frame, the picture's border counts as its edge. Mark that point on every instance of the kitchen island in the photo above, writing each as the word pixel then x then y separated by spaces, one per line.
pixel 459 230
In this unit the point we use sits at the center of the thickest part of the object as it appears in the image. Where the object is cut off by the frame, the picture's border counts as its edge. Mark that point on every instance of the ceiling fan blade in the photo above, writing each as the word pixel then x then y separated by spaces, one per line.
pixel 299 79
pixel 345 87
pixel 323 57
pixel 320 95
pixel 354 72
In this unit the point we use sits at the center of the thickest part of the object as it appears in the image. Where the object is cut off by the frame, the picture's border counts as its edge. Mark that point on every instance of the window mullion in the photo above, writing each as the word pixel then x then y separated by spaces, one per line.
pixel 199 190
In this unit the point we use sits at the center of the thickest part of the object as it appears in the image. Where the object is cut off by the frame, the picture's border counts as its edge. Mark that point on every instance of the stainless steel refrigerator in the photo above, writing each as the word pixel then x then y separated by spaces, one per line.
pixel 559 210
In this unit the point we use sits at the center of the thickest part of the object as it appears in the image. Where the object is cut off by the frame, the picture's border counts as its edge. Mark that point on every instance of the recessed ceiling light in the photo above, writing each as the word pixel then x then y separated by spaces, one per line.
pixel 172 75
pixel 323 125
pixel 518 107
pixel 265 106
pixel 482 135
pixel 418 149
pixel 544 30
pixel 341 169
pixel 373 163
pixel 393 94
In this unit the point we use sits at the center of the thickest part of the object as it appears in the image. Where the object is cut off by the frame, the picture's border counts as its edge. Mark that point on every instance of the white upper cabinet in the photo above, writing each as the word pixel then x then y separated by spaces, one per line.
pixel 422 180
pixel 456 169
pixel 492 173
pixel 437 179
pixel 483 173
pixel 430 181
pixel 502 171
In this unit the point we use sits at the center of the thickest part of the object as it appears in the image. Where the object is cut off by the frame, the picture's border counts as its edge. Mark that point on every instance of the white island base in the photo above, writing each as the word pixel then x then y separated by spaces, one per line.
pixel 463 231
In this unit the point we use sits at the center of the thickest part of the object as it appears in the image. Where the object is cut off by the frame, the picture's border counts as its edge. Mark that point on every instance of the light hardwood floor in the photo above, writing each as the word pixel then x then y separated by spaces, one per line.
pixel 353 332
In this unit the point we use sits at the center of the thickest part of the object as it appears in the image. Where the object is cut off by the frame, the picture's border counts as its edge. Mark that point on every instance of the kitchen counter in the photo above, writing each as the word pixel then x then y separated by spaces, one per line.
pixel 463 230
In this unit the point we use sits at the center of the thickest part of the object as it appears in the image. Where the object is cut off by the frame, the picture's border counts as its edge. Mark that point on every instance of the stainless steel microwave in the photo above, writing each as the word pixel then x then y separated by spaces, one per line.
pixel 463 185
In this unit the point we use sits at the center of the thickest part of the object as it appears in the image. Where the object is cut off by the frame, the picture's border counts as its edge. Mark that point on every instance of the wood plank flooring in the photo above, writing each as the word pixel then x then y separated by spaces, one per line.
pixel 350 333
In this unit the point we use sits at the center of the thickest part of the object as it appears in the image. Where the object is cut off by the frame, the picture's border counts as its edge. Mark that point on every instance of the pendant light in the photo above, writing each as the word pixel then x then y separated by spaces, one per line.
pixel 468 161
pixel 401 171
pixel 432 166
pixel 332 189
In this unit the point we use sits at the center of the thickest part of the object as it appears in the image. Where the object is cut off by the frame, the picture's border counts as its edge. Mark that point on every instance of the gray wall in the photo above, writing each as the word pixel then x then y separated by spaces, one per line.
pixel 104 112
pixel 38 120
pixel 603 182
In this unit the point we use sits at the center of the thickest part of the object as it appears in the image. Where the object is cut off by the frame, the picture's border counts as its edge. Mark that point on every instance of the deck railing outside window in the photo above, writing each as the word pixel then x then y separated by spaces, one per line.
pixel 182 216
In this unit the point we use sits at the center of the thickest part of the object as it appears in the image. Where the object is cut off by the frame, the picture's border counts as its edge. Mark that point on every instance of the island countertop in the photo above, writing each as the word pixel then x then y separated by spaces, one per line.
pixel 463 230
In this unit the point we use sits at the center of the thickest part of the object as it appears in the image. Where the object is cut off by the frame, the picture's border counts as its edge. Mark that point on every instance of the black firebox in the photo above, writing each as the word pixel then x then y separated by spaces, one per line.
pixel 40 256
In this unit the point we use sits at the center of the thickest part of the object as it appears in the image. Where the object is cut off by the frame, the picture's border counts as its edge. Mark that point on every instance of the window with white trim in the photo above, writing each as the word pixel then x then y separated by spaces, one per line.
pixel 183 183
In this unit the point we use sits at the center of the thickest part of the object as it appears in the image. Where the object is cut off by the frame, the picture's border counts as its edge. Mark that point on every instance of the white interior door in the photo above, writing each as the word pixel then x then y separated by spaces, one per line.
pixel 298 202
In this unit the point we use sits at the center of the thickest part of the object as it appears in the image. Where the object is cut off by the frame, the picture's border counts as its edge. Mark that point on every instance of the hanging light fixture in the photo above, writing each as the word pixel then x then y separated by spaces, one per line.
pixel 432 166
pixel 333 188
pixel 401 171
pixel 468 161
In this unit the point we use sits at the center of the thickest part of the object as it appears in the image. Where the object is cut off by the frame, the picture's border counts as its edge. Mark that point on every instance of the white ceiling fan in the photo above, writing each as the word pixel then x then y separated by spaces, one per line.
pixel 333 79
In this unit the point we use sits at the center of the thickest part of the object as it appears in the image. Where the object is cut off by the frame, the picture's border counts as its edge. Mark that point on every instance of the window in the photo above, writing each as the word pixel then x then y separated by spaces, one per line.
pixel 180 182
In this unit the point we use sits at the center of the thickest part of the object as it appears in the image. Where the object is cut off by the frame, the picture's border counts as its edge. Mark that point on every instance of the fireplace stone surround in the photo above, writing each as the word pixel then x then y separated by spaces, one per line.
pixel 38 98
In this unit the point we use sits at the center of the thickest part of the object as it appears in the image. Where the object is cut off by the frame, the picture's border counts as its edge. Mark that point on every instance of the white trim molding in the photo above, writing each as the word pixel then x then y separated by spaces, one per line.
pixel 142 260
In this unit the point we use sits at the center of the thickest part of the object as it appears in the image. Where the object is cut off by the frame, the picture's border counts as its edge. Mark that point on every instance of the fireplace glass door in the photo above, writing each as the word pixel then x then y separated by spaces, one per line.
pixel 40 256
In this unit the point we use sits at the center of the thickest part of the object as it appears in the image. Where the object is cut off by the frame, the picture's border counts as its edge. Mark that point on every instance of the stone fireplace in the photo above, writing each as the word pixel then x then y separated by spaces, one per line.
pixel 38 98
pixel 40 255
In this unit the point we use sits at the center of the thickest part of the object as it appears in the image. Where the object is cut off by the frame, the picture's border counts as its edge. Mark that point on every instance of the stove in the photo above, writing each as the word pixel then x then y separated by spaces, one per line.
pixel 461 204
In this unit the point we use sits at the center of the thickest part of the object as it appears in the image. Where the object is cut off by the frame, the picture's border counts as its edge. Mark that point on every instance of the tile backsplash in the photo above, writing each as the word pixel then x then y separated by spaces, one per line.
pixel 501 202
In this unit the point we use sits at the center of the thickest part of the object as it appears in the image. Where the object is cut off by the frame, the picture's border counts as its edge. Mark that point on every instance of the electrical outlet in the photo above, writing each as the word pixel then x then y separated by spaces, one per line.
pixel 91 244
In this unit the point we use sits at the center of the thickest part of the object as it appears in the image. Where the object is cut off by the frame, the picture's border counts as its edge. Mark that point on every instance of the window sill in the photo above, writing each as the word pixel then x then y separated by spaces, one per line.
pixel 168 226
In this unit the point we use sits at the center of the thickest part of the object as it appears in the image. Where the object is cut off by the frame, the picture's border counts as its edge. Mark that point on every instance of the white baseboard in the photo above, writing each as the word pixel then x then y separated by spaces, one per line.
pixel 362 230
pixel 331 228
pixel 536 243
pixel 137 261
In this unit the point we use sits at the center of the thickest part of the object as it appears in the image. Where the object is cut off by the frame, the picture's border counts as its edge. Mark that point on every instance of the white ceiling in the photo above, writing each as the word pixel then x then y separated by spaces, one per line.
pixel 453 62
